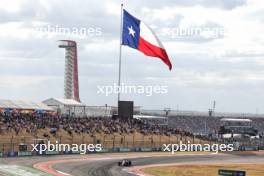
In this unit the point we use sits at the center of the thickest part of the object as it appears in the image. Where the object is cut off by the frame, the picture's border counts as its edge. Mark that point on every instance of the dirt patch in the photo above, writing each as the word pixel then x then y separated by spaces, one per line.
pixel 204 170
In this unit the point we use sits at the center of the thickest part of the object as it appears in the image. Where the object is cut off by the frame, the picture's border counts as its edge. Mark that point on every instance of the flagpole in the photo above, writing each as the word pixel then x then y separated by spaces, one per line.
pixel 120 53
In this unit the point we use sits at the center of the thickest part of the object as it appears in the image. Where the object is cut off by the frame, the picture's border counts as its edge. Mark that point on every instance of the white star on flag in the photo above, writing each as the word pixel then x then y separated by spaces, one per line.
pixel 131 31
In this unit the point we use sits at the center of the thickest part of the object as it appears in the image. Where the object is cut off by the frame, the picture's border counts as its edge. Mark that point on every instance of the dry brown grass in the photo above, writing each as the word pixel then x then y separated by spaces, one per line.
pixel 204 170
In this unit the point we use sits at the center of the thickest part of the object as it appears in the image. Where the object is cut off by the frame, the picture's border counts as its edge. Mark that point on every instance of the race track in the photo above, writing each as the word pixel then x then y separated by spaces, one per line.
pixel 106 164
pixel 109 167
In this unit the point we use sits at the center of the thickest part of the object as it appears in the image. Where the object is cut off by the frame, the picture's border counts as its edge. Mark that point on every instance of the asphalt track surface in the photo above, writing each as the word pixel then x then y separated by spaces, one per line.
pixel 106 164
pixel 109 167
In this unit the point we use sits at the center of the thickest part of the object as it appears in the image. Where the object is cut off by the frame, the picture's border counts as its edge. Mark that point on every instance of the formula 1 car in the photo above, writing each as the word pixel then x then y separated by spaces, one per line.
pixel 125 163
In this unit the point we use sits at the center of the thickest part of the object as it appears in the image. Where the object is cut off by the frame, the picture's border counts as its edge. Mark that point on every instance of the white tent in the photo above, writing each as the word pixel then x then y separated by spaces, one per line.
pixel 62 102
pixel 23 105
pixel 71 107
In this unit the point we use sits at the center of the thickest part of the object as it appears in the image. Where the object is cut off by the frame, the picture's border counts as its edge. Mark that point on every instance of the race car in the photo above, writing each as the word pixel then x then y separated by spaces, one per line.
pixel 125 162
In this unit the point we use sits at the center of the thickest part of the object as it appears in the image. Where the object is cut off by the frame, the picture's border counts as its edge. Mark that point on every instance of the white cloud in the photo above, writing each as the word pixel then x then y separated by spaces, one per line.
pixel 18 82
pixel 219 68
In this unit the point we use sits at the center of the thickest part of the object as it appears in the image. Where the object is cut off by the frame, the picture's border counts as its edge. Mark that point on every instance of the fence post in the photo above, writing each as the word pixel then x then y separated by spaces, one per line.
pixel 160 140
pixel 152 140
pixel 60 139
pixel 133 139
pixel 113 142
pixel 83 138
pixel 104 140
pixel 12 139
pixel 72 139
pixel 125 141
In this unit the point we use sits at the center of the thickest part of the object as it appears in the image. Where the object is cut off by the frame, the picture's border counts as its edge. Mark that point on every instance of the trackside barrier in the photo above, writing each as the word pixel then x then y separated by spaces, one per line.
pixel 75 152
pixel 104 150
pixel 162 148
pixel 94 151
pixel 12 154
pixel 125 150
pixel 67 152
pixel 156 149
pixel 145 149
pixel 115 149
pixel 51 152
pixel 249 148
pixel 261 147
pixel 41 152
pixel 137 149
pixel 24 154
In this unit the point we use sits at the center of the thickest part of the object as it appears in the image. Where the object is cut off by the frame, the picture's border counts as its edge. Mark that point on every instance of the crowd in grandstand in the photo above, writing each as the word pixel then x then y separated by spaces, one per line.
pixel 203 124
pixel 184 125
pixel 32 123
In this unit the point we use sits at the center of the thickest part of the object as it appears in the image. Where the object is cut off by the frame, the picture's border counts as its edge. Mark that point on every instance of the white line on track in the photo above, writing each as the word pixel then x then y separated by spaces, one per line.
pixel 63 173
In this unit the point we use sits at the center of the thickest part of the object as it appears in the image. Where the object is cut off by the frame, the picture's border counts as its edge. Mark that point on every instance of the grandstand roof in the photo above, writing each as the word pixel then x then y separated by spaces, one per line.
pixel 236 120
pixel 205 113
pixel 62 101
pixel 148 117
pixel 23 104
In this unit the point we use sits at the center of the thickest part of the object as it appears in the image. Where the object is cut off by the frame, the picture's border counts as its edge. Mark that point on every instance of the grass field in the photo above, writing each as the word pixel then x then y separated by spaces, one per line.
pixel 204 170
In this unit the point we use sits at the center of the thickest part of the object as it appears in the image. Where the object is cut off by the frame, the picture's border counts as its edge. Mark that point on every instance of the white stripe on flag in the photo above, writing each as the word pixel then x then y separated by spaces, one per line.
pixel 147 34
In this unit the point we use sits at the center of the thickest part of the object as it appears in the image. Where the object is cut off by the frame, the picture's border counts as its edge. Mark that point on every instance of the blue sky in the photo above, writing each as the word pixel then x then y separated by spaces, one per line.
pixel 227 68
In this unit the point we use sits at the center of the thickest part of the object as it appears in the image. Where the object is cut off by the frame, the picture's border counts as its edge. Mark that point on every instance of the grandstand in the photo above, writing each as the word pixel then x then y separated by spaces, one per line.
pixel 240 132
pixel 19 128
pixel 237 128
pixel 18 125
pixel 201 113
pixel 205 125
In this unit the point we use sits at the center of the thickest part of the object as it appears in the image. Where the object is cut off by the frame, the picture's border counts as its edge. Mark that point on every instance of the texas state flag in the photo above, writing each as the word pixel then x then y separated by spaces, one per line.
pixel 137 35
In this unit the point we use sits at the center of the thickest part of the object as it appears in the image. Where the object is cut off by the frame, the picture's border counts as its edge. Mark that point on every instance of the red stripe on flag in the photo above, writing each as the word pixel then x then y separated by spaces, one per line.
pixel 154 51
